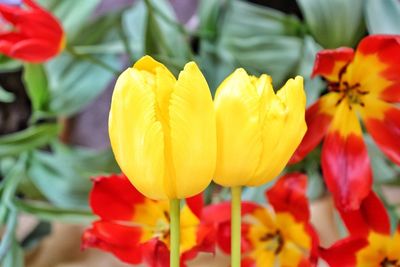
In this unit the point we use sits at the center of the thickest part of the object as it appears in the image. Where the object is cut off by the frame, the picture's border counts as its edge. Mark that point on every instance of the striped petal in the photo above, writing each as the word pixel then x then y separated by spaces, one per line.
pixel 329 63
pixel 345 162
pixel 383 123
pixel 318 119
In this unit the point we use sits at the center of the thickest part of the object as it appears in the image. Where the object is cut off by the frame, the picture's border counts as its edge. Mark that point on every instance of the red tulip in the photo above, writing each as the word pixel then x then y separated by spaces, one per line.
pixel 29 33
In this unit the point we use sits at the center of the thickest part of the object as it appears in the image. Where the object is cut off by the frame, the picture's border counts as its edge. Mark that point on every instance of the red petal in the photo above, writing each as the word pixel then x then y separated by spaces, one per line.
pixel 248 262
pixel 196 204
pixel 387 49
pixel 328 63
pixel 33 50
pixel 386 132
pixel 345 162
pixel 122 241
pixel 346 169
pixel 318 121
pixel 155 253
pixel 289 195
pixel 224 237
pixel 372 215
pixel 343 252
pixel 114 198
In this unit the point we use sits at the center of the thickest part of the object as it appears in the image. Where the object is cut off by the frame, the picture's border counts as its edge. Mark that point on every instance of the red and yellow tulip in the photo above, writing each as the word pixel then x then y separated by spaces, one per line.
pixel 136 229
pixel 362 84
pixel 31 33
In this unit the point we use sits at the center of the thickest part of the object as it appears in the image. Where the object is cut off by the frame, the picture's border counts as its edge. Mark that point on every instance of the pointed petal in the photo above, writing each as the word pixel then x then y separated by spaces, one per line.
pixel 193 133
pixel 383 123
pixel 328 63
pixel 282 130
pixel 343 253
pixel 289 195
pixel 122 241
pixel 136 136
pixel 345 162
pixel 371 215
pixel 238 130
pixel 376 67
pixel 318 119
pixel 114 198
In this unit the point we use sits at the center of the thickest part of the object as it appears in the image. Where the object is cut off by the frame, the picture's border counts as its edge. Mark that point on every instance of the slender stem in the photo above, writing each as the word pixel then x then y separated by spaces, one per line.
pixel 236 226
pixel 174 232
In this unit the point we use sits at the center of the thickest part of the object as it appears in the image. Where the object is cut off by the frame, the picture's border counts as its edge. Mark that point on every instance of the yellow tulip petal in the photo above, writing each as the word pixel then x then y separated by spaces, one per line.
pixel 136 136
pixel 189 227
pixel 238 130
pixel 192 133
pixel 283 128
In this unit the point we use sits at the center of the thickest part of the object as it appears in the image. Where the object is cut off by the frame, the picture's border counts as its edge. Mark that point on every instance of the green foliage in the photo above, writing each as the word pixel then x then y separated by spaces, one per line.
pixel 6 96
pixel 382 16
pixel 334 23
pixel 33 137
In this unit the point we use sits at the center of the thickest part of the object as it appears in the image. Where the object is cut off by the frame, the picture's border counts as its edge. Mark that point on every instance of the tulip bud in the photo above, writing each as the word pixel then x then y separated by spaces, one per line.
pixel 257 130
pixel 162 130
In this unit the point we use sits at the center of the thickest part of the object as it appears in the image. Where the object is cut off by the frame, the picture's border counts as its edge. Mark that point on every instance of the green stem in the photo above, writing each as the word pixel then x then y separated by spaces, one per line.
pixel 236 226
pixel 174 232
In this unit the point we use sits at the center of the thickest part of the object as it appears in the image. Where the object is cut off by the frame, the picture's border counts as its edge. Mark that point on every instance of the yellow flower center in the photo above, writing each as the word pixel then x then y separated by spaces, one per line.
pixel 350 91
pixel 161 229
pixel 273 241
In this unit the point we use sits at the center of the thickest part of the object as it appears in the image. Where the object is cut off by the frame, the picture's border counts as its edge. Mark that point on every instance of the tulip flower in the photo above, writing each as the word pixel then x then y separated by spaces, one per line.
pixel 282 236
pixel 362 84
pixel 162 133
pixel 136 229
pixel 33 34
pixel 373 245
pixel 257 133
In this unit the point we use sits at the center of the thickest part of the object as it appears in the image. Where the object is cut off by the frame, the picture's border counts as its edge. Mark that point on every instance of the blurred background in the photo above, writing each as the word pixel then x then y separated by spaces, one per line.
pixel 53 116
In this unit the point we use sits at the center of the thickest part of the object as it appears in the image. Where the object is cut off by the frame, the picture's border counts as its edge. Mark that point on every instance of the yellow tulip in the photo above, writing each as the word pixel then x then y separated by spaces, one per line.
pixel 257 130
pixel 162 130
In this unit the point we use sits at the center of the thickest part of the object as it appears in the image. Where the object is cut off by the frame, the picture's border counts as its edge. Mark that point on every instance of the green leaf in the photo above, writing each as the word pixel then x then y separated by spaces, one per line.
pixel 382 16
pixel 6 96
pixel 72 15
pixel 334 23
pixel 9 235
pixel 267 41
pixel 314 86
pixel 15 256
pixel 157 33
pixel 28 139
pixel 75 83
pixel 63 176
pixel 47 212
pixel 36 85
